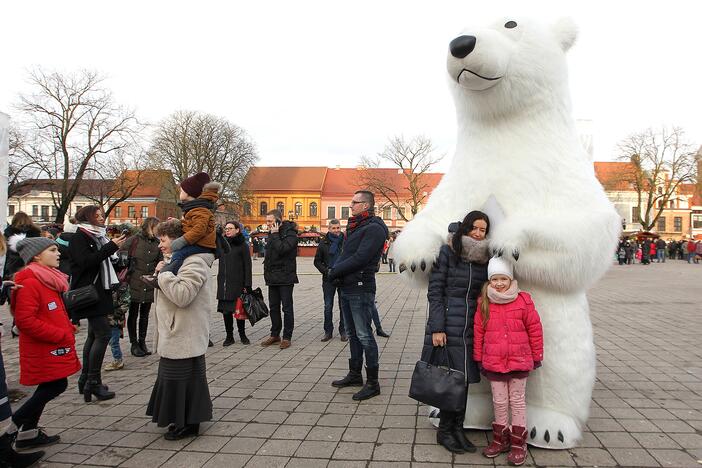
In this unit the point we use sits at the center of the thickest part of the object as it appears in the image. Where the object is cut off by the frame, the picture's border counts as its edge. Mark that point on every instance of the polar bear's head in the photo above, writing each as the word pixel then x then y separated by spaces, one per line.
pixel 510 65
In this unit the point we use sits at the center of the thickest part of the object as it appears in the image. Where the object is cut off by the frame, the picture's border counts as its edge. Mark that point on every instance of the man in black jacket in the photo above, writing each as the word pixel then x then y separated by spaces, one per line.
pixel 328 252
pixel 354 273
pixel 280 274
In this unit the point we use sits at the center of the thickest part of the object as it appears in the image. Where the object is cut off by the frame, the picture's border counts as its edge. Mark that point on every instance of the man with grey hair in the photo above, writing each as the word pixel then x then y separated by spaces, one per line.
pixel 327 254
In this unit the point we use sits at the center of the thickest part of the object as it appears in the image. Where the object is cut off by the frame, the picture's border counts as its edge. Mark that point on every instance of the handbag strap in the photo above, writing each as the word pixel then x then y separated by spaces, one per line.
pixel 446 353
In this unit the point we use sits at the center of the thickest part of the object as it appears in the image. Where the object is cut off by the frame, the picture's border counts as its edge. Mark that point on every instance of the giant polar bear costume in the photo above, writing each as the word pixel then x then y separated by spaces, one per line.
pixel 517 144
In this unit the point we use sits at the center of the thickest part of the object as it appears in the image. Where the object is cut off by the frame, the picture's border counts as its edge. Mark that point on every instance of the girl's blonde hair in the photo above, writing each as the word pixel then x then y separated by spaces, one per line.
pixel 485 304
pixel 3 245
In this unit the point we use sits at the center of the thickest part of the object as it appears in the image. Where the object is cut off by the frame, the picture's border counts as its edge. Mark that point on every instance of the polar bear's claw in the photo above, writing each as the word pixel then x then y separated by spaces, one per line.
pixel 560 436
pixel 546 422
pixel 515 254
pixel 423 265
pixel 413 267
pixel 402 267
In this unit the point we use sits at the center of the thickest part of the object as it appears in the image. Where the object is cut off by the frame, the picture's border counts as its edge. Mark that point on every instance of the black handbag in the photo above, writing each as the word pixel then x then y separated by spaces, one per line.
pixel 254 305
pixel 81 298
pixel 444 388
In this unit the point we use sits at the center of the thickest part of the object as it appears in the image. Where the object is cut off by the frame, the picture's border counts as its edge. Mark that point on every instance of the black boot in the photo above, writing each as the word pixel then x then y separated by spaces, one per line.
pixel 228 341
pixel 136 350
pixel 8 457
pixel 144 349
pixel 143 326
pixel 371 388
pixel 353 378
pixel 445 435
pixel 241 326
pixel 81 383
pixel 32 438
pixel 460 436
pixel 189 430
pixel 381 332
pixel 95 387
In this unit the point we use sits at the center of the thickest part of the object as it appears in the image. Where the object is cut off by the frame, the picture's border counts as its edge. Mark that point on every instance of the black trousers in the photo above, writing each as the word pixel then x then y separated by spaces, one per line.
pixel 229 325
pixel 27 417
pixel 140 310
pixel 99 334
pixel 278 295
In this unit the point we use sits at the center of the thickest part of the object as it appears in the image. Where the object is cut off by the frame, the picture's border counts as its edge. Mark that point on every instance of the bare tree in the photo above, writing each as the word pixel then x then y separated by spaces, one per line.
pixel 20 166
pixel 189 142
pixel 70 121
pixel 660 162
pixel 408 184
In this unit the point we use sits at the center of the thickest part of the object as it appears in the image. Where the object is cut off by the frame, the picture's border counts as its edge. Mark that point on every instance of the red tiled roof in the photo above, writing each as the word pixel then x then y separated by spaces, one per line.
pixel 89 187
pixel 343 182
pixel 299 179
pixel 693 190
pixel 614 175
pixel 151 182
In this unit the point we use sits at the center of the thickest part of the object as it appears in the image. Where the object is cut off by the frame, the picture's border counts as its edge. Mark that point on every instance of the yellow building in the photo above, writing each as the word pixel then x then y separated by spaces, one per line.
pixel 295 191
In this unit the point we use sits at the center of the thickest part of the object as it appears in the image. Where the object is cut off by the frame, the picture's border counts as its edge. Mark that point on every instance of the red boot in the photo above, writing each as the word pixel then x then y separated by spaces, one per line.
pixel 518 452
pixel 500 441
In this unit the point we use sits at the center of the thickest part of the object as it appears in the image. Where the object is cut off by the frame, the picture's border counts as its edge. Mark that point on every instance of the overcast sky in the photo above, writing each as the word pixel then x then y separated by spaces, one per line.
pixel 325 82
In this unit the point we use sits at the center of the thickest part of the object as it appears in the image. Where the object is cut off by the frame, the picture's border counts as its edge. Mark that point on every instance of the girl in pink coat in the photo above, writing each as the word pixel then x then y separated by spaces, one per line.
pixel 507 344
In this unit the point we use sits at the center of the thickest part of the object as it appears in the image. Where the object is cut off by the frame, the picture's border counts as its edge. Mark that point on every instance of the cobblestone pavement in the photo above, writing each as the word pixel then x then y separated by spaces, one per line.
pixel 277 408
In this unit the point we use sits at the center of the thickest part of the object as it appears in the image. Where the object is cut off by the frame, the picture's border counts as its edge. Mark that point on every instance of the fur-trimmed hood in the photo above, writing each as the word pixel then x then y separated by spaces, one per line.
pixel 473 250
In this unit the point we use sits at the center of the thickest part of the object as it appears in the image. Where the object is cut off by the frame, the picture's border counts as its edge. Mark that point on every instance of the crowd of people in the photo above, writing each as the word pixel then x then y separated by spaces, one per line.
pixel 648 250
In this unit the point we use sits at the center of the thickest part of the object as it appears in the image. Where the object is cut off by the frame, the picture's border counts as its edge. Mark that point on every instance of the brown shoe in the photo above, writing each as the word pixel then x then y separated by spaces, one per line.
pixel 270 340
pixel 285 344
pixel 327 337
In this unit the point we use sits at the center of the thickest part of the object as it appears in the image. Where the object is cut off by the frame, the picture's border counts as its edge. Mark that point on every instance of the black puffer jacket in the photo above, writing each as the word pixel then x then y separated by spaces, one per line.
pixel 280 264
pixel 322 258
pixel 454 288
pixel 234 269
pixel 13 262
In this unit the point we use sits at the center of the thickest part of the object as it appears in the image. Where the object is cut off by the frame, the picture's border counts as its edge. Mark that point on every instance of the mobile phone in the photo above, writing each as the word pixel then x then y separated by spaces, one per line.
pixel 125 232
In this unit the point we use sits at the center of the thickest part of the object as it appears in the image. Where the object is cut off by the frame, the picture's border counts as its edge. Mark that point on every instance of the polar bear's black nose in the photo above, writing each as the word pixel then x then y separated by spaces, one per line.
pixel 462 46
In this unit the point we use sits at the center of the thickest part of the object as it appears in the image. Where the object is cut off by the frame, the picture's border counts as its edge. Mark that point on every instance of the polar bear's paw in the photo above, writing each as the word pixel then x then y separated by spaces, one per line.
pixel 414 252
pixel 551 429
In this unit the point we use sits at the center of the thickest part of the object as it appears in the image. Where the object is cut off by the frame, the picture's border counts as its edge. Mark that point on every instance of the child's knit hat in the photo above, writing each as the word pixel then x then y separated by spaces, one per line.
pixel 29 247
pixel 193 185
pixel 500 266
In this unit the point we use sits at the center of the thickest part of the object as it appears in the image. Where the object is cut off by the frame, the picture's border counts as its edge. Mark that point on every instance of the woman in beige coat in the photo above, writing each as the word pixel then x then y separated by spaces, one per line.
pixel 180 398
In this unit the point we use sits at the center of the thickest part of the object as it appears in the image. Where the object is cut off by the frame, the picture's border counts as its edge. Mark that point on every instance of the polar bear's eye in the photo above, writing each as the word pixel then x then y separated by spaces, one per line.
pixel 510 24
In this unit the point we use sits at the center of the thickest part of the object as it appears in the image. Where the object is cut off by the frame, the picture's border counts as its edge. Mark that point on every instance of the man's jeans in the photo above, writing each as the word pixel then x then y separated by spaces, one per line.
pixel 276 296
pixel 329 291
pixel 358 311
pixel 660 256
pixel 114 344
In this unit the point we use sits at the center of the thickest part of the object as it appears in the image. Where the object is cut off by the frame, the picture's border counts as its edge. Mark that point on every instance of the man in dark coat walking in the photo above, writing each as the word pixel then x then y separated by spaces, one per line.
pixel 280 274
pixel 328 252
pixel 354 273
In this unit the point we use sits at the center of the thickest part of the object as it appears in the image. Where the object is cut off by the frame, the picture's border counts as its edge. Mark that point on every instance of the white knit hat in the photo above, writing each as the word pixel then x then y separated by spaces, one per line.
pixel 500 266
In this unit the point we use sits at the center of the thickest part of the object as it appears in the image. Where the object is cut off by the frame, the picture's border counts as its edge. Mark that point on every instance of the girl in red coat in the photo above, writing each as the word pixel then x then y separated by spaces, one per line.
pixel 47 343
pixel 507 343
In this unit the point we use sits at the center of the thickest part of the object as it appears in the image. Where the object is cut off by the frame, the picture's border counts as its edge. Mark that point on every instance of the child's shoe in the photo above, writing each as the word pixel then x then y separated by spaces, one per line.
pixel 518 452
pixel 500 441
pixel 115 365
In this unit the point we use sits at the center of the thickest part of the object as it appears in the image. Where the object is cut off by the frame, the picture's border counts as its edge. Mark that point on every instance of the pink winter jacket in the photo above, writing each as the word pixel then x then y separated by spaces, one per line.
pixel 513 339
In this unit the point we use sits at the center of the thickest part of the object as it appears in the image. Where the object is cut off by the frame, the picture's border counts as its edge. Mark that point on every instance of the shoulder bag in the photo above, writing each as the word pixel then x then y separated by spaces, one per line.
pixel 80 298
pixel 444 388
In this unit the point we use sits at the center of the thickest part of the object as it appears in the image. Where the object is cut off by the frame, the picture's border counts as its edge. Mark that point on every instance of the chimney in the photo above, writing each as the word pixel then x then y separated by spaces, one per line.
pixel 337 167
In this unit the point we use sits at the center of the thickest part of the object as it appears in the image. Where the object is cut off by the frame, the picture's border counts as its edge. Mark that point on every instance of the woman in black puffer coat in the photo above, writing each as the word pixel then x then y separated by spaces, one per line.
pixel 233 278
pixel 454 287
pixel 22 226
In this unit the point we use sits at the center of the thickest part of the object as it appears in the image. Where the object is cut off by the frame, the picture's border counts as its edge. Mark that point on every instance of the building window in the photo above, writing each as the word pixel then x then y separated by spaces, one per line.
pixel 661 224
pixel 35 210
pixel 298 209
pixel 78 207
pixel 331 212
pixel 345 212
pixel 697 221
pixel 247 209
pixel 387 212
pixel 263 208
pixel 45 212
pixel 131 212
pixel 54 211
pixel 401 213
pixel 11 209
pixel 118 212
pixel 635 214
pixel 280 206
pixel 677 224
pixel 313 209
pixel 144 211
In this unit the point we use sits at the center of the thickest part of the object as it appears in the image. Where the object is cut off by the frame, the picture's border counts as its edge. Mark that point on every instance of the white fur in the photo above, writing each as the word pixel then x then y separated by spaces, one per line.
pixel 517 141
pixel 14 239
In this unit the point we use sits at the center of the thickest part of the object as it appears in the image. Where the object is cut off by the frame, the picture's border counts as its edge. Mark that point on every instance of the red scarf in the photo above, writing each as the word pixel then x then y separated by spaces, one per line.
pixel 355 221
pixel 52 278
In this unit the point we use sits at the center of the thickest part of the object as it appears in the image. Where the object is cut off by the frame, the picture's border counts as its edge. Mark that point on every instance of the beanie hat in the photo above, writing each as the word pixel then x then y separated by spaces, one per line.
pixel 32 246
pixel 500 266
pixel 193 185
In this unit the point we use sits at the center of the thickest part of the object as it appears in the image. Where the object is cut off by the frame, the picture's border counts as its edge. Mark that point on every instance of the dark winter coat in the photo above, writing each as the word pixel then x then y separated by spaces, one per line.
pixel 13 262
pixel 358 262
pixel 323 259
pixel 87 257
pixel 234 269
pixel 280 264
pixel 143 262
pixel 47 345
pixel 63 241
pixel 454 288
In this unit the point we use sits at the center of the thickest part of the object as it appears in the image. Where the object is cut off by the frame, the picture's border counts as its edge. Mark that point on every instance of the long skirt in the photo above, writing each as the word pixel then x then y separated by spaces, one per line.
pixel 180 395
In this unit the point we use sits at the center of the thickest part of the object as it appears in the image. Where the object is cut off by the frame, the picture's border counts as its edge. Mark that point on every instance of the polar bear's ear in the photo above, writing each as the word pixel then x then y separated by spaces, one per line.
pixel 566 32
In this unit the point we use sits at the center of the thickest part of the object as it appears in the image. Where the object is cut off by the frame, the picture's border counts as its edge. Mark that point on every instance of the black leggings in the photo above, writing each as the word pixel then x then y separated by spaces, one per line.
pixel 27 417
pixel 99 334
pixel 140 309
pixel 229 325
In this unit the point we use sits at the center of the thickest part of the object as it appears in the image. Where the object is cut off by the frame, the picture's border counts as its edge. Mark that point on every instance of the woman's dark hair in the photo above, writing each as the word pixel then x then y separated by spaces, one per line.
pixel 87 213
pixel 236 224
pixel 465 227
pixel 149 223
pixel 21 220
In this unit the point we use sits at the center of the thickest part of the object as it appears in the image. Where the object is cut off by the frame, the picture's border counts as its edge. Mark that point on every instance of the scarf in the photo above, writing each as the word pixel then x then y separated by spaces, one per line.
pixel 355 221
pixel 334 247
pixel 107 271
pixel 473 250
pixel 505 297
pixel 52 278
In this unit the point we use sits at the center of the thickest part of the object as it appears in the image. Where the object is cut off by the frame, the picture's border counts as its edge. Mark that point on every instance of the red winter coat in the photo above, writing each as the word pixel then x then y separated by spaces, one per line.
pixel 47 346
pixel 513 339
